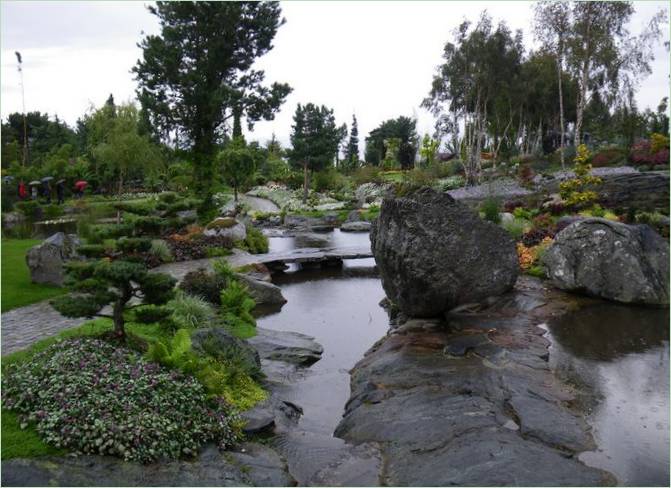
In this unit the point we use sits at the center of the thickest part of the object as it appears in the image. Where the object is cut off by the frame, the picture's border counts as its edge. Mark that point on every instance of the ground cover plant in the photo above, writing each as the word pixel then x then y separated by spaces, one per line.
pixel 94 397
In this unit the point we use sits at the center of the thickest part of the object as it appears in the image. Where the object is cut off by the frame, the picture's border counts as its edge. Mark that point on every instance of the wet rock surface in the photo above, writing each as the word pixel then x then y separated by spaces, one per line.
pixel 472 400
pixel 434 253
pixel 361 226
pixel 611 260
pixel 262 292
pixel 290 347
pixel 250 465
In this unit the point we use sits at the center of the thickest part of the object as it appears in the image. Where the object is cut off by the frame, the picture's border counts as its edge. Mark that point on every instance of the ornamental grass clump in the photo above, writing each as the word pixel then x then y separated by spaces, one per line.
pixel 93 397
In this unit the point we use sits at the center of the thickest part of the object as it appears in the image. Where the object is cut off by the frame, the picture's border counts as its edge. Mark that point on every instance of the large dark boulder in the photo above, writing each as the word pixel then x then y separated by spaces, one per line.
pixel 46 259
pixel 434 253
pixel 598 257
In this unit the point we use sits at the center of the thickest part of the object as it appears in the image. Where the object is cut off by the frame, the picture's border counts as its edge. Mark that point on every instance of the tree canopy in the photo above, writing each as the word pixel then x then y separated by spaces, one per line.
pixel 402 128
pixel 196 76
pixel 315 137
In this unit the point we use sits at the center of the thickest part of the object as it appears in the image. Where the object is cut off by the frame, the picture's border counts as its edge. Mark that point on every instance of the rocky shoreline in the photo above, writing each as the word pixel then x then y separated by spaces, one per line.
pixel 472 400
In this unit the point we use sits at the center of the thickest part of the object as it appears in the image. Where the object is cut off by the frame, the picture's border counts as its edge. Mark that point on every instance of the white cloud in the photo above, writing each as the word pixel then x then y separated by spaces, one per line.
pixel 375 59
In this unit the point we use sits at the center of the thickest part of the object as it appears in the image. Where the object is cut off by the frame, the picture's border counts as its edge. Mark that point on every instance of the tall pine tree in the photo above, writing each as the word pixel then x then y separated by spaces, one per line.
pixel 351 160
pixel 196 77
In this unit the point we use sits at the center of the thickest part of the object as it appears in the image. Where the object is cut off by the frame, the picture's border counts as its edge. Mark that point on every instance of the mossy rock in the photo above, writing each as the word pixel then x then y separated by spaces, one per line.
pixel 222 223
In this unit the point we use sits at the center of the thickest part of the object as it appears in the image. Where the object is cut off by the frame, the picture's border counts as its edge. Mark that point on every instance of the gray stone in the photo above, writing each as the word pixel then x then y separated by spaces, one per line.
pixel 259 419
pixel 611 260
pixel 226 227
pixel 506 217
pixel 499 458
pixel 356 226
pixel 216 339
pixel 290 347
pixel 262 292
pixel 550 423
pixel 189 215
pixel 250 465
pixel 434 253
pixel 308 239
pixel 354 216
pixel 46 260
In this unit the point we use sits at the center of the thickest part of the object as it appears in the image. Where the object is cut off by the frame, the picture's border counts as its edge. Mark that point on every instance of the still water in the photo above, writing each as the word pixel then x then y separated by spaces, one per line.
pixel 340 309
pixel 621 354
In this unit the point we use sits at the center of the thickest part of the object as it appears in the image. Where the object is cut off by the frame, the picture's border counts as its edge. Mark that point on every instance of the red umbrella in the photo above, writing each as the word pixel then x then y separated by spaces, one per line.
pixel 81 184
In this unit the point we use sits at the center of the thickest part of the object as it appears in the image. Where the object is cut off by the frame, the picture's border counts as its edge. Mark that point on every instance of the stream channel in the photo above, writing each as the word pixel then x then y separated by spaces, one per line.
pixel 617 355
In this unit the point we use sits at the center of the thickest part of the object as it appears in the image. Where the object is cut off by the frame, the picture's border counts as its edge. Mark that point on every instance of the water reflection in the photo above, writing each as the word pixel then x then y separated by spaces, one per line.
pixel 622 354
pixel 341 312
pixel 339 307
pixel 607 331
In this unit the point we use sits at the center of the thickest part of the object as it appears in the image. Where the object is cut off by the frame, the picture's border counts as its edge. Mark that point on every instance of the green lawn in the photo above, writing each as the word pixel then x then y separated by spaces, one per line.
pixel 17 289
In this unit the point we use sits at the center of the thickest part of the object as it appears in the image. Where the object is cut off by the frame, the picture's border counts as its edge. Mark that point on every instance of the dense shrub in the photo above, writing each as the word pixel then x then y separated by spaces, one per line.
pixel 367 174
pixel 31 210
pixel 646 154
pixel 224 373
pixel 608 157
pixel 168 197
pixel 491 208
pixel 255 242
pixel 95 398
pixel 237 305
pixel 196 247
pixel 206 285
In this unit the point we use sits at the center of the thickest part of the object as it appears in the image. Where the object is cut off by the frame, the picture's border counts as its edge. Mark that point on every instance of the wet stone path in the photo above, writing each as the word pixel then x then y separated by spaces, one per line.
pixel 23 326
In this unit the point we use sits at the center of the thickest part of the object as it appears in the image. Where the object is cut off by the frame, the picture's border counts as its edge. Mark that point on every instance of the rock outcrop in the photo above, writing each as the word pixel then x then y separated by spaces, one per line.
pixel 226 227
pixel 434 253
pixel 46 260
pixel 289 347
pixel 249 465
pixel 361 226
pixel 472 404
pixel 262 292
pixel 598 257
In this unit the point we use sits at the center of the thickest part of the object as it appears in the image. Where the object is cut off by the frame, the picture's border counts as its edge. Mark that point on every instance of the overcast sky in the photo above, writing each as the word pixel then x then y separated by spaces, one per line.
pixel 374 59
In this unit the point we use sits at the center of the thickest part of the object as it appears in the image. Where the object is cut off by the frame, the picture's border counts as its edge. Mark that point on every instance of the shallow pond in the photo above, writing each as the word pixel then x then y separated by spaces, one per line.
pixel 621 354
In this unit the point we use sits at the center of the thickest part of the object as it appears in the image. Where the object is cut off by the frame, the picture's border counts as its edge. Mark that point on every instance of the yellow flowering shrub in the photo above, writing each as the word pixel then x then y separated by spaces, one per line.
pixel 574 192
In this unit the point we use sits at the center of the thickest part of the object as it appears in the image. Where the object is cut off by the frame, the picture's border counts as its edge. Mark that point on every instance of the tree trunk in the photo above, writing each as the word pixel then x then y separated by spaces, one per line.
pixel 582 86
pixel 305 182
pixel 120 182
pixel 119 329
pixel 235 193
pixel 561 110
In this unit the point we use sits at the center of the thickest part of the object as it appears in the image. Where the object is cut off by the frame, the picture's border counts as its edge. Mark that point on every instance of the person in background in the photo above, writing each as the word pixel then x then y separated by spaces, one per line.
pixel 60 188
pixel 47 191
pixel 23 193
pixel 33 192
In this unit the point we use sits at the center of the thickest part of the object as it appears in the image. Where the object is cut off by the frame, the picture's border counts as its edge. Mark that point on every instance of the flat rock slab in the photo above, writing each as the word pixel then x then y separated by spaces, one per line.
pixel 472 401
pixel 290 347
pixel 251 465
pixel 360 226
